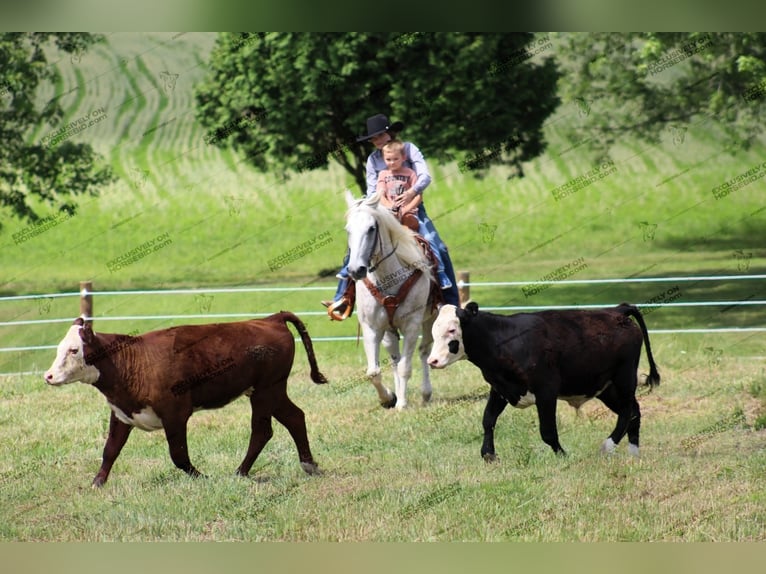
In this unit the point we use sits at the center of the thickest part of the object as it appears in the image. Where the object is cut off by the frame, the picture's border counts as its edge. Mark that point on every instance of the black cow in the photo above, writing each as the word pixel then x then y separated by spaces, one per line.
pixel 537 358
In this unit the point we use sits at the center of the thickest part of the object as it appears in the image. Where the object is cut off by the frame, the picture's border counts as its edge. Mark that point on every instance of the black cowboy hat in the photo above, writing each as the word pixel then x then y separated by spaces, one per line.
pixel 378 124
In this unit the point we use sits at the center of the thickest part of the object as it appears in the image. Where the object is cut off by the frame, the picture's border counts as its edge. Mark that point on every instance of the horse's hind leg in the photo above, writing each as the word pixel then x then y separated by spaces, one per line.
pixel 404 368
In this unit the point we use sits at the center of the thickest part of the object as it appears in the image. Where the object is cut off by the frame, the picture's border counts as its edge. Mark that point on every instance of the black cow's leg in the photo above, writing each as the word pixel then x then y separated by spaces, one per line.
pixel 633 428
pixel 628 418
pixel 175 432
pixel 293 419
pixel 546 414
pixel 495 405
pixel 118 435
pixel 260 434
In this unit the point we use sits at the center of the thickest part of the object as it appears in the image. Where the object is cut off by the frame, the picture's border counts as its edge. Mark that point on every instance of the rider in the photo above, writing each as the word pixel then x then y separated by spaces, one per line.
pixel 394 181
pixel 379 132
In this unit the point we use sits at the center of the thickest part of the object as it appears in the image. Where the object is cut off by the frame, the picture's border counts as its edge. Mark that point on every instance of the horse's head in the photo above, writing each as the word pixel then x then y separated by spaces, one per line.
pixel 363 235
pixel 377 239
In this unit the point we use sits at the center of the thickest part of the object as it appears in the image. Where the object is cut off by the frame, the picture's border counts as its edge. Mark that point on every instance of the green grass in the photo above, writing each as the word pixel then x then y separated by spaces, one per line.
pixel 388 476
pixel 393 476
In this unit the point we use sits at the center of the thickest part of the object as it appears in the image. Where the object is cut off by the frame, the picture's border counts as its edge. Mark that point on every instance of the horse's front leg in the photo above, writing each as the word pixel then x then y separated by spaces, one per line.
pixel 404 368
pixel 372 340
pixel 426 342
pixel 391 345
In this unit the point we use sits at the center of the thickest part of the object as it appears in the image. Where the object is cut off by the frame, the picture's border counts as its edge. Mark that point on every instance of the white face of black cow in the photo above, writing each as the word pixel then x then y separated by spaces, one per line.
pixel 448 339
pixel 69 365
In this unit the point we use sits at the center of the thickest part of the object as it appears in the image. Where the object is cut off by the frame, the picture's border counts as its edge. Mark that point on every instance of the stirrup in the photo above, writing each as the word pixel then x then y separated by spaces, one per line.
pixel 340 310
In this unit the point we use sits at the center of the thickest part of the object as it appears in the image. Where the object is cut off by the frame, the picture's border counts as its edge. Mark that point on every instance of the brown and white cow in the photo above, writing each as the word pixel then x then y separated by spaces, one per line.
pixel 157 380
pixel 538 358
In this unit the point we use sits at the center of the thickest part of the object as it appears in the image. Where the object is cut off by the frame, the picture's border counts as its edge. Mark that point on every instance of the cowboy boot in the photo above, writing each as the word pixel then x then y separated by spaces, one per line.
pixel 343 307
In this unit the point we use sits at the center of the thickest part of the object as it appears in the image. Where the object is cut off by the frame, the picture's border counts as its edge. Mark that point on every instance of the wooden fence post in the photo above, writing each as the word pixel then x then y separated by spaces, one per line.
pixel 463 289
pixel 86 300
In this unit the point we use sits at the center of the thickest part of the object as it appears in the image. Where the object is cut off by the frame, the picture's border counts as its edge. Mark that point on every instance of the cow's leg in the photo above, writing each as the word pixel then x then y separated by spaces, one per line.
pixel 633 428
pixel 546 414
pixel 118 435
pixel 628 418
pixel 293 419
pixel 175 432
pixel 260 433
pixel 495 405
pixel 372 351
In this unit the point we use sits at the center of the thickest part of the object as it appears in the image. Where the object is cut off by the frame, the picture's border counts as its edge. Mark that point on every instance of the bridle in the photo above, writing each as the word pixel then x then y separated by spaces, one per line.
pixel 370 267
pixel 389 302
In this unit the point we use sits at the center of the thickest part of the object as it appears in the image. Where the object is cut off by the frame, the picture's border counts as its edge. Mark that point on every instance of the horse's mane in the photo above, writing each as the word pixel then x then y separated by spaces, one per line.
pixel 408 250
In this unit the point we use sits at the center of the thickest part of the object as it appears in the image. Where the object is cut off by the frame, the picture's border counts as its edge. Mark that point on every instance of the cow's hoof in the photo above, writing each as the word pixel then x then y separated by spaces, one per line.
pixel 489 457
pixel 391 403
pixel 608 447
pixel 310 468
pixel 97 483
pixel 426 398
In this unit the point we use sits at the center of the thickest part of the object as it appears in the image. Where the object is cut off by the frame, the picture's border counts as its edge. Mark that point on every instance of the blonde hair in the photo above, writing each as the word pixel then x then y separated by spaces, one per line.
pixel 394 145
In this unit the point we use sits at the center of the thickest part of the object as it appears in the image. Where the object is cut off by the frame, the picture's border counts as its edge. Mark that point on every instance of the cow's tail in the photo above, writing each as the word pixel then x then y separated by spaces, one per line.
pixel 316 376
pixel 654 376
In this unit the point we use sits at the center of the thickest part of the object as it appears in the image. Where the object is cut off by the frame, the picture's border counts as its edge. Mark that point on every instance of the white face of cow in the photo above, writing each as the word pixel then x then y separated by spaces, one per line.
pixel 69 365
pixel 448 339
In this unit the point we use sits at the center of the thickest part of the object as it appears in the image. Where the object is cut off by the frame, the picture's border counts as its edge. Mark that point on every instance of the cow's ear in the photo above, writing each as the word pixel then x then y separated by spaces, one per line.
pixel 86 333
pixel 472 309
pixel 79 322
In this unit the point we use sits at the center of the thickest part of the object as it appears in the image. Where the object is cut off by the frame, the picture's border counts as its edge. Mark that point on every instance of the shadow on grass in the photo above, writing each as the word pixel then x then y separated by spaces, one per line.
pixel 658 300
pixel 747 235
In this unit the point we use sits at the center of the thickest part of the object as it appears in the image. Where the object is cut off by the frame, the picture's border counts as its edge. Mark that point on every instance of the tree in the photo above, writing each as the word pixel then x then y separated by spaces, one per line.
pixel 52 171
pixel 293 101
pixel 642 84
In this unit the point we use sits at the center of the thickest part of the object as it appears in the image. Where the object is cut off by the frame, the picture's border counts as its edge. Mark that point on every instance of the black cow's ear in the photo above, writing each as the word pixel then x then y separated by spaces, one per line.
pixel 472 309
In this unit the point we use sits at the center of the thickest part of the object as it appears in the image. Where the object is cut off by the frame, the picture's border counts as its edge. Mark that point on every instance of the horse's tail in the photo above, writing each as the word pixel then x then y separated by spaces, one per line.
pixel 316 376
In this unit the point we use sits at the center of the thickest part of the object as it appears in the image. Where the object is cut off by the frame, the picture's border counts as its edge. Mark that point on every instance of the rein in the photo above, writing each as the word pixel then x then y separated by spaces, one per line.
pixel 389 302
pixel 372 267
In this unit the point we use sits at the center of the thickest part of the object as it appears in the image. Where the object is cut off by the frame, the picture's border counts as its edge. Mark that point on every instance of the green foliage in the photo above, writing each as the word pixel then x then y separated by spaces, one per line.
pixel 293 101
pixel 642 83
pixel 47 171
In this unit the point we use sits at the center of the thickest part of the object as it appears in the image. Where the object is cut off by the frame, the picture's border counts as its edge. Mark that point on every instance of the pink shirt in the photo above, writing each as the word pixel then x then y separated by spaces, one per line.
pixel 393 183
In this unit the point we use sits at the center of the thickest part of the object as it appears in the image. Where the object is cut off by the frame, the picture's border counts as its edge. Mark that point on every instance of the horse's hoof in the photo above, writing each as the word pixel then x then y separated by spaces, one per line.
pixel 426 398
pixel 391 403
pixel 489 457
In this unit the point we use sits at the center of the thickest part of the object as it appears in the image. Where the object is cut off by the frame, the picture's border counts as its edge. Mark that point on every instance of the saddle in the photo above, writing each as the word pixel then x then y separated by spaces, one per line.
pixel 344 307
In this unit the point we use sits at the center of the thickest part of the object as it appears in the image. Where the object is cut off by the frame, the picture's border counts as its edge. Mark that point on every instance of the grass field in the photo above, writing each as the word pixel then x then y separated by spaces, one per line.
pixel 387 476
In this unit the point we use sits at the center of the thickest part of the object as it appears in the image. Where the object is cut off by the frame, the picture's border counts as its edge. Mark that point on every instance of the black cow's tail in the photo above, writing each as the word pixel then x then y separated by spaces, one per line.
pixel 316 376
pixel 654 376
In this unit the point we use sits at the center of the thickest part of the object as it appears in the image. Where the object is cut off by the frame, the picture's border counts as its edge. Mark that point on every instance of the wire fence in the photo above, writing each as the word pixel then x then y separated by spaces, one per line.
pixel 86 294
